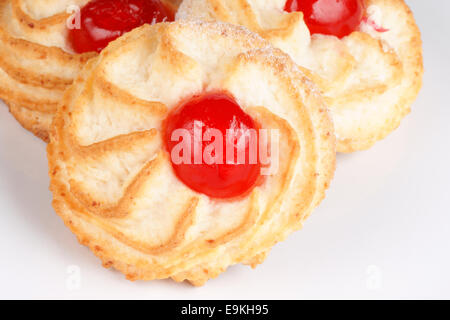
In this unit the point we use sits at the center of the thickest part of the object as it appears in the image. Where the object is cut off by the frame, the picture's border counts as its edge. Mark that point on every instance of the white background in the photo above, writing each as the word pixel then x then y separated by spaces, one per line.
pixel 382 232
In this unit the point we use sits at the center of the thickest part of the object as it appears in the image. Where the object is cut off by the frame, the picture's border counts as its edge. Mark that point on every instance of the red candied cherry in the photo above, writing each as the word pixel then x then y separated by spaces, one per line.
pixel 331 17
pixel 102 21
pixel 203 165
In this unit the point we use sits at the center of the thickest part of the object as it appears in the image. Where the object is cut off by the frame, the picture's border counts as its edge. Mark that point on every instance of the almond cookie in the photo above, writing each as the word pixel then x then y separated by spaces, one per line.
pixel 116 176
pixel 365 55
pixel 37 56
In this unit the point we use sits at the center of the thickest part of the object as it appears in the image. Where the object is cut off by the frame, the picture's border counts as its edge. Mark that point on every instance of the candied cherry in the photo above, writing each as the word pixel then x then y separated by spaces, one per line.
pixel 331 17
pixel 102 21
pixel 220 178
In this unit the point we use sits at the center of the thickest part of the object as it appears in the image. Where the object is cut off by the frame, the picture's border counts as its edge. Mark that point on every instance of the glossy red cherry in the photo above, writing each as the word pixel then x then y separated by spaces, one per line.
pixel 219 178
pixel 103 21
pixel 331 17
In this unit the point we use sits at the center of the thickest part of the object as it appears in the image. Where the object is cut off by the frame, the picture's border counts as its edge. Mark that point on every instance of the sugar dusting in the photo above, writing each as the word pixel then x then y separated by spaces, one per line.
pixel 360 101
pixel 272 55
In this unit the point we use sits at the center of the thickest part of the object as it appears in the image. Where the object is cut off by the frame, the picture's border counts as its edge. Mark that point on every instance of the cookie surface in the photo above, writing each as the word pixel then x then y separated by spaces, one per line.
pixel 369 78
pixel 111 177
pixel 36 61
pixel 36 64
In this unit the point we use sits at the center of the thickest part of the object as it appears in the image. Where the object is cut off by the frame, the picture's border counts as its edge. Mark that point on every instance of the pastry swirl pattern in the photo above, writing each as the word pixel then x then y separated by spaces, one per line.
pixel 111 178
pixel 369 78
pixel 37 63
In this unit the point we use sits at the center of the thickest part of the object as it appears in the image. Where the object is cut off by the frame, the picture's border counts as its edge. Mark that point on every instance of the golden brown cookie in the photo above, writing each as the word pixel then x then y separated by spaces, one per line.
pixel 369 78
pixel 113 181
pixel 37 62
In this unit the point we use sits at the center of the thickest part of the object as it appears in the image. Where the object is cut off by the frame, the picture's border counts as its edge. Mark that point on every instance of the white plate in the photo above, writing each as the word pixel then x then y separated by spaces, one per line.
pixel 382 232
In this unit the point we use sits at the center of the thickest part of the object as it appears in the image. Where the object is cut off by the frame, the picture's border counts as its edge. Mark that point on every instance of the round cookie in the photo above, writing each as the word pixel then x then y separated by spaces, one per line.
pixel 37 62
pixel 370 78
pixel 113 180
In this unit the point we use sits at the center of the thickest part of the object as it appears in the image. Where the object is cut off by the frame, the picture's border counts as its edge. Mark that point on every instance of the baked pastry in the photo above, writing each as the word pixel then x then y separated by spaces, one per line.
pixel 37 58
pixel 114 173
pixel 365 55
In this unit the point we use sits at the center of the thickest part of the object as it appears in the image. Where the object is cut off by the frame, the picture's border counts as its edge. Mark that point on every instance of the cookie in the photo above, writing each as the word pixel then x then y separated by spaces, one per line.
pixel 117 182
pixel 37 58
pixel 365 55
